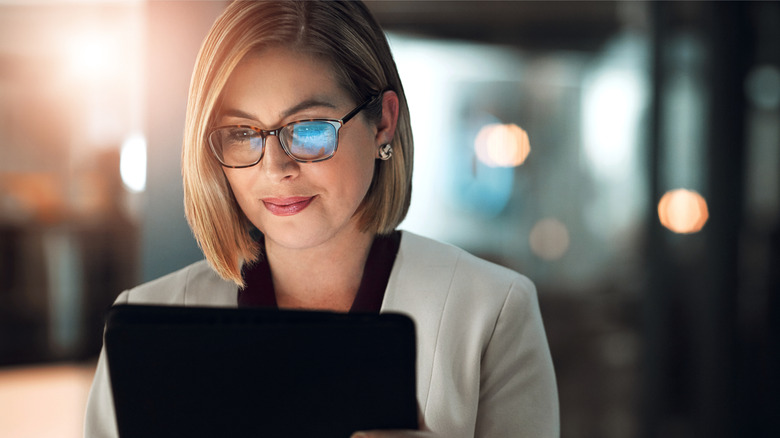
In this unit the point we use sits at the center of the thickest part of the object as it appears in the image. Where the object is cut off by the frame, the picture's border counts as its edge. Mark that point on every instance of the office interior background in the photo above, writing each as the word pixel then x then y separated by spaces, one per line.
pixel 625 155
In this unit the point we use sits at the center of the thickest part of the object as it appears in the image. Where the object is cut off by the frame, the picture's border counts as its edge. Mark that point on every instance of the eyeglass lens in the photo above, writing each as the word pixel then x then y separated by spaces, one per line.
pixel 310 141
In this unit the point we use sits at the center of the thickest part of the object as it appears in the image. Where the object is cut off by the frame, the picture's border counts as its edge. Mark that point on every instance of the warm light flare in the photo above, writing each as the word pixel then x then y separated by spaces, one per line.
pixel 502 145
pixel 94 57
pixel 683 211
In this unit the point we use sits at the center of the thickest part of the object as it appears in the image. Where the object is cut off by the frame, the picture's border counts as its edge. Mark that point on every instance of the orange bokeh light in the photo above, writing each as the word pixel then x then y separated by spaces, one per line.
pixel 502 145
pixel 683 211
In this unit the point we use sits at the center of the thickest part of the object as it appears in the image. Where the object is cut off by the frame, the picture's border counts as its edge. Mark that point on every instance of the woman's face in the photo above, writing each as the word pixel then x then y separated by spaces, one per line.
pixel 298 205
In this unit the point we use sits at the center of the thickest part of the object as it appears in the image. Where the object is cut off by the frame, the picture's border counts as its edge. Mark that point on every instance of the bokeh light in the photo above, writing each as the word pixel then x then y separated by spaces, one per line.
pixel 502 145
pixel 132 163
pixel 683 211
pixel 613 101
pixel 549 239
pixel 763 87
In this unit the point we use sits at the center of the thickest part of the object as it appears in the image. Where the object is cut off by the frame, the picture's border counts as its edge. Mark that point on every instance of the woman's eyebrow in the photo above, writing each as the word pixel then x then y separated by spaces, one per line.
pixel 307 104
pixel 237 114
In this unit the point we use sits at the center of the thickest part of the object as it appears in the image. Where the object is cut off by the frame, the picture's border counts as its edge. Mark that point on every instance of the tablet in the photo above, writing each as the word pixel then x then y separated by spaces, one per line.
pixel 215 372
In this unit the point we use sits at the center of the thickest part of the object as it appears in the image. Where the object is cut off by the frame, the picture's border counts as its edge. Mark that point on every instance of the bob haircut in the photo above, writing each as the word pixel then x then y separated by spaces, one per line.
pixel 341 33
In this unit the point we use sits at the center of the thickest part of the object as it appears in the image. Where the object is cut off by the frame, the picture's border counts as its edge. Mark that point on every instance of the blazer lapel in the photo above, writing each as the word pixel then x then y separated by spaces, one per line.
pixel 419 287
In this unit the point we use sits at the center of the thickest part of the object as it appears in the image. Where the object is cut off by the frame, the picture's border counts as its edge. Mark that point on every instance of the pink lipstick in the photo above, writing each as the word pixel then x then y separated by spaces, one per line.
pixel 287 206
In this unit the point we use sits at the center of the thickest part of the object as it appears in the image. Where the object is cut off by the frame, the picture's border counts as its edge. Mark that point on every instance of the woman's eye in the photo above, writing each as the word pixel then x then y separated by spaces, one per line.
pixel 239 135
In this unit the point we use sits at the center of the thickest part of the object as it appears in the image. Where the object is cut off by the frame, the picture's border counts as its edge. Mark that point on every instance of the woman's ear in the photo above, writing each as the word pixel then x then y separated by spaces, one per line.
pixel 385 128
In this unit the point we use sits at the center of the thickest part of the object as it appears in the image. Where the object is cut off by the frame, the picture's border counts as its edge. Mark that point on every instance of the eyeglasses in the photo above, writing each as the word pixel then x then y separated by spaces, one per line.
pixel 305 141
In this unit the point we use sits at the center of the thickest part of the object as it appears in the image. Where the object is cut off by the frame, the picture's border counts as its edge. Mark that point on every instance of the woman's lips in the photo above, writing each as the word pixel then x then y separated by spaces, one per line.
pixel 287 206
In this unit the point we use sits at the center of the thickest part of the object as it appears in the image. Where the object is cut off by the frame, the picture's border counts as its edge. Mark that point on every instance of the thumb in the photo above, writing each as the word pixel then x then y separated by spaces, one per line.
pixel 393 434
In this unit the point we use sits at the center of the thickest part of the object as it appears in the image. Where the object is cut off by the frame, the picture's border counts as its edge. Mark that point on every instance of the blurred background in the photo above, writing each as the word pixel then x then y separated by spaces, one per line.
pixel 624 155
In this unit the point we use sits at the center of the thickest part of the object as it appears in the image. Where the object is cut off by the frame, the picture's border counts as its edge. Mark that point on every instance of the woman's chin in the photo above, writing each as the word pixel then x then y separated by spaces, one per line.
pixel 294 238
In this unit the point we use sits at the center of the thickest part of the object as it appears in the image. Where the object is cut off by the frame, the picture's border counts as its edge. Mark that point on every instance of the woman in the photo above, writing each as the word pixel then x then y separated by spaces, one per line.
pixel 297 164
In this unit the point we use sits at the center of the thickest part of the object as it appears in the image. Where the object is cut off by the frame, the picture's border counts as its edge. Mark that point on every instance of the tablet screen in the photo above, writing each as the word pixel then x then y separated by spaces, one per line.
pixel 194 371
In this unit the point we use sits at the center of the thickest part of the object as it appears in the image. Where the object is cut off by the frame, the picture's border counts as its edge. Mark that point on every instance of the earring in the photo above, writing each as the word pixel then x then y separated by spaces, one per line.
pixel 385 152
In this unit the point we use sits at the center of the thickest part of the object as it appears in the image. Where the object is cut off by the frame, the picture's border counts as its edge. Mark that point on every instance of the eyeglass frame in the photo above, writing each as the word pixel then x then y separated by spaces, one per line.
pixel 264 133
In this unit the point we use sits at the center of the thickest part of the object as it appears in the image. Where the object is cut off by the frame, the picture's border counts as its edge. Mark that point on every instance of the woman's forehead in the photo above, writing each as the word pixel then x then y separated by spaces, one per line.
pixel 279 69
pixel 274 84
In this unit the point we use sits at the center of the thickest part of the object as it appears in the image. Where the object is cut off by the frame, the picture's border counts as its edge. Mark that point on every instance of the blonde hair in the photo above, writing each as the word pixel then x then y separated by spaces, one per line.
pixel 343 33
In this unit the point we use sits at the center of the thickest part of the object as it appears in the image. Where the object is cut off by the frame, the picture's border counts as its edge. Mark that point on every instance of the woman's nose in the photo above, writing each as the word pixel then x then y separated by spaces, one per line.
pixel 276 163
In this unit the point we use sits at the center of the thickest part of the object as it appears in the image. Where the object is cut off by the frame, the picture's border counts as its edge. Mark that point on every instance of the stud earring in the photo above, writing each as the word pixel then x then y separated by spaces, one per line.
pixel 385 152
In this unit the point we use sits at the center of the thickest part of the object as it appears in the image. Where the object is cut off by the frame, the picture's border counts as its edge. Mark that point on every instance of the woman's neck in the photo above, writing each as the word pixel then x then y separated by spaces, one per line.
pixel 325 277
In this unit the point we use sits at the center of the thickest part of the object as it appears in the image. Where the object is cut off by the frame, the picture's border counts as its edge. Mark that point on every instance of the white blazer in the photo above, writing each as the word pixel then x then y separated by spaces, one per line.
pixel 483 364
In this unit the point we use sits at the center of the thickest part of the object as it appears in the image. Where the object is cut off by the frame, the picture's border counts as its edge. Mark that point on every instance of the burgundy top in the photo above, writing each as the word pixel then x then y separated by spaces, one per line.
pixel 259 290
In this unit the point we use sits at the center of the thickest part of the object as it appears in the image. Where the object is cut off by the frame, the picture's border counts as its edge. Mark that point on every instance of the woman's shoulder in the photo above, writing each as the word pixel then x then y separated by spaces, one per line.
pixel 425 253
pixel 431 276
pixel 195 284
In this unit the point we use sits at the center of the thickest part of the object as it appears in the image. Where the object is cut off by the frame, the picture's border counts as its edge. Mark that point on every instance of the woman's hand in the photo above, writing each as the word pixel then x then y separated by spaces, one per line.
pixel 394 434
pixel 422 433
